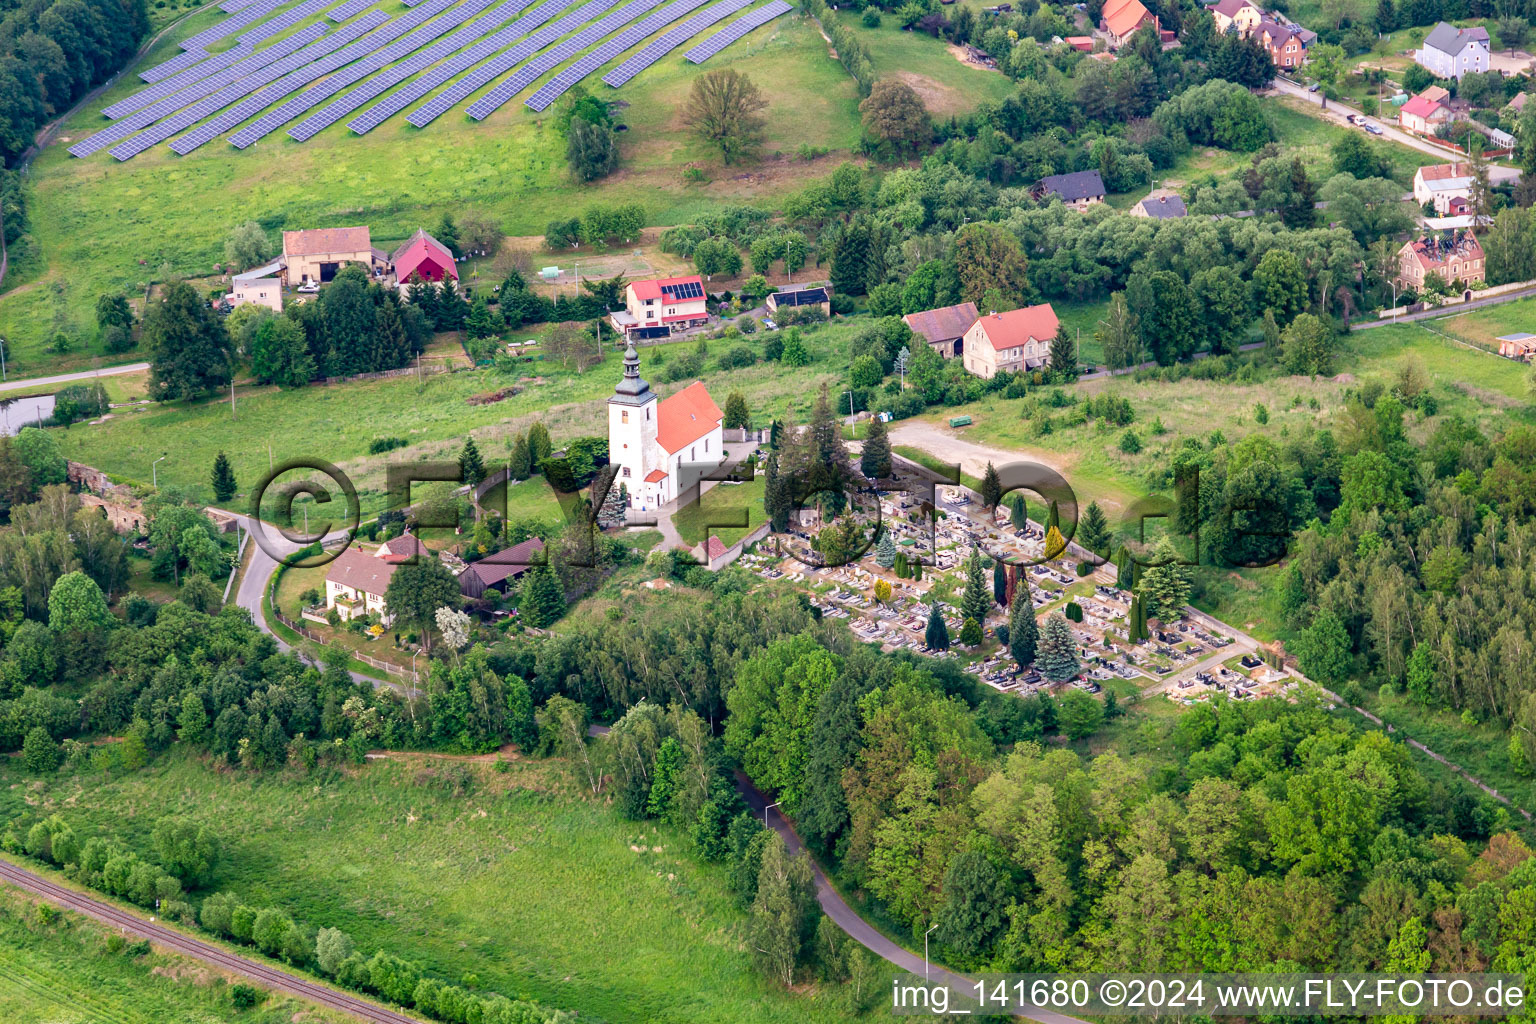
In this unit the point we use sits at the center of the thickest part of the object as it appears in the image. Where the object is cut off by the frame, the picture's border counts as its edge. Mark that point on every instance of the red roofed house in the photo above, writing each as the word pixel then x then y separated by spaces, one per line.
pixel 1454 256
pixel 1019 339
pixel 1121 18
pixel 423 256
pixel 662 447
pixel 654 309
pixel 1286 44
pixel 1425 112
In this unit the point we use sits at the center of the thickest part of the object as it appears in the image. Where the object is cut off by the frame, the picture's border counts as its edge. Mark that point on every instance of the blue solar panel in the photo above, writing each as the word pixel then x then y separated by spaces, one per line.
pixel 231 6
pixel 497 66
pixel 212 84
pixel 350 9
pixel 261 100
pixel 557 86
pixel 672 40
pixel 171 86
pixel 363 67
pixel 286 20
pixel 247 17
pixel 736 30
pixel 180 62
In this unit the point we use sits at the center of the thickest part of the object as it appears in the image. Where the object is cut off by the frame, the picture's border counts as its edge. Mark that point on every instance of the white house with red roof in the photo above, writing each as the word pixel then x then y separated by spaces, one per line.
pixel 1425 112
pixel 357 579
pixel 425 257
pixel 656 308
pixel 1019 339
pixel 661 446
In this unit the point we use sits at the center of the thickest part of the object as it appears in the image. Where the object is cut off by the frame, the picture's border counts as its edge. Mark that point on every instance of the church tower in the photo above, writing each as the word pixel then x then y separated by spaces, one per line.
pixel 632 424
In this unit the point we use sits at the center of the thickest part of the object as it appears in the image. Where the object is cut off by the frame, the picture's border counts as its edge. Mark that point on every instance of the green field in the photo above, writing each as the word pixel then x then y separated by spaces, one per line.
pixel 946 84
pixel 537 892
pixel 71 970
pixel 104 226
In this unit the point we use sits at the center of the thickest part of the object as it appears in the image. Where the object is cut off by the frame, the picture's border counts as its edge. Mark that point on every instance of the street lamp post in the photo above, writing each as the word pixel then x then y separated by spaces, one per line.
pixel 2 359
pixel 154 472
pixel 765 812
pixel 925 951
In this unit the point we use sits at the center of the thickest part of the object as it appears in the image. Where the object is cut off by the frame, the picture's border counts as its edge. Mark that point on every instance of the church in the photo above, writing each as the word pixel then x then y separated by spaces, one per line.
pixel 664 446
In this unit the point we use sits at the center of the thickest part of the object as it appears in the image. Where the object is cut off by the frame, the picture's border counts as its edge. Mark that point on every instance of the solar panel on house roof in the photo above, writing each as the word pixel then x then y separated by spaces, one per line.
pixel 672 40
pixel 176 83
pixel 181 62
pixel 487 72
pixel 736 30
pixel 557 86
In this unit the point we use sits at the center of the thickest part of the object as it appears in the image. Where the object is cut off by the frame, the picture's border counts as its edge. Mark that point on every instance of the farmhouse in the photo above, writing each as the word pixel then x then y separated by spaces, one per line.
pixel 944 328
pixel 1079 190
pixel 1121 18
pixel 795 296
pixel 1019 339
pixel 1451 52
pixel 313 256
pixel 1425 112
pixel 1237 16
pixel 494 570
pixel 655 308
pixel 1160 208
pixel 1456 256
pixel 425 257
pixel 355 584
pixel 262 286
pixel 661 447
pixel 1443 185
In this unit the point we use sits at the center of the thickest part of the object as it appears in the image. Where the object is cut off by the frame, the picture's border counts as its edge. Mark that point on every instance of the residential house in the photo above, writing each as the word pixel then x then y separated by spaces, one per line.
pixel 794 296
pixel 1079 190
pixel 944 328
pixel 1160 208
pixel 313 256
pixel 262 286
pixel 1019 339
pixel 1441 185
pixel 655 308
pixel 422 256
pixel 662 447
pixel 1083 44
pixel 1520 346
pixel 1451 52
pixel 1426 112
pixel 355 584
pixel 1237 16
pixel 1287 44
pixel 494 570
pixel 1516 107
pixel 1454 256
pixel 1121 18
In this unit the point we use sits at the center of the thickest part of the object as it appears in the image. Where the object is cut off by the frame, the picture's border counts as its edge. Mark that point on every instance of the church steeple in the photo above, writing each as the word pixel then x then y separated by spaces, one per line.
pixel 633 388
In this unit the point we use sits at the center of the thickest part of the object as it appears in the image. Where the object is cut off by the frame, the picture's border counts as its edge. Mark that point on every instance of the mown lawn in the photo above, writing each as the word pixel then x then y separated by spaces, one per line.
pixel 105 226
pixel 65 972
pixel 537 892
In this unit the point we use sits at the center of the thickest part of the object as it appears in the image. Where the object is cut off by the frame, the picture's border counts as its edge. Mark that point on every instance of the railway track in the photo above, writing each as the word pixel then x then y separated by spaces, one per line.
pixel 264 974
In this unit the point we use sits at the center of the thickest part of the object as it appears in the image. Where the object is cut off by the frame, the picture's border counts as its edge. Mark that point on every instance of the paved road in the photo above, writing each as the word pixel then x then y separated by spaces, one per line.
pixel 1446 311
pixel 1336 111
pixel 265 974
pixel 66 378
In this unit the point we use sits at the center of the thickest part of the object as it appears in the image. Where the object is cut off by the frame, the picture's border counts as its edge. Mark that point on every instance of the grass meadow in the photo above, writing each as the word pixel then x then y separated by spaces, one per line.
pixel 537 892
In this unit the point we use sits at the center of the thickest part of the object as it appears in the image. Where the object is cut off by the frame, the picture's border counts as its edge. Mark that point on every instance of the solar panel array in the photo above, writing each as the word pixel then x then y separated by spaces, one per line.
pixel 350 9
pixel 287 19
pixel 261 100
pixel 433 77
pixel 171 86
pixel 229 26
pixel 367 61
pixel 231 6
pixel 499 65
pixel 188 117
pixel 736 30
pixel 333 112
pixel 213 83
pixel 180 62
pixel 554 57
pixel 672 40
pixel 557 86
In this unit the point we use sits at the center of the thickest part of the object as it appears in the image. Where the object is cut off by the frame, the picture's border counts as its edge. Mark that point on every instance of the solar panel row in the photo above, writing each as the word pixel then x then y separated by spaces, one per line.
pixel 229 26
pixel 366 61
pixel 350 9
pixel 180 62
pixel 261 100
pixel 736 30
pixel 380 112
pixel 231 6
pixel 286 20
pixel 557 55
pixel 183 119
pixel 333 112
pixel 176 83
pixel 557 86
pixel 499 65
pixel 213 83
pixel 672 40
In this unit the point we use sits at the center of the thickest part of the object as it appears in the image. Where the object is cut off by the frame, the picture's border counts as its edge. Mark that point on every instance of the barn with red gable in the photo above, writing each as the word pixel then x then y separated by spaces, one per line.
pixel 425 257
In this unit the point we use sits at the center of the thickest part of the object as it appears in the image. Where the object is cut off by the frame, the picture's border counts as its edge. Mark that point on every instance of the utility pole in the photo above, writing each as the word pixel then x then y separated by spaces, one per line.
pixel 154 474
pixel 2 359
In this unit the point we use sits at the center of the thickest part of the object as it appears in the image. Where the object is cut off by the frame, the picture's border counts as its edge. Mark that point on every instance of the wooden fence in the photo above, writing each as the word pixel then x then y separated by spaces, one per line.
pixel 413 678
